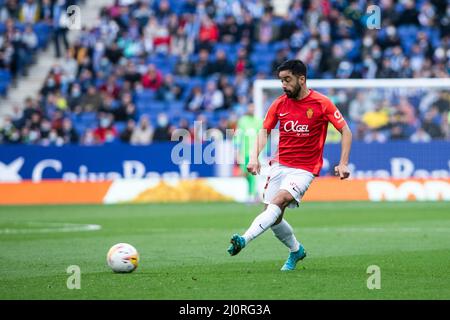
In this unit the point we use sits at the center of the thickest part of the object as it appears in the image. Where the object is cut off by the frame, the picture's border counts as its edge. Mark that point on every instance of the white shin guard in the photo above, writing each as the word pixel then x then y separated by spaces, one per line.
pixel 262 222
pixel 284 232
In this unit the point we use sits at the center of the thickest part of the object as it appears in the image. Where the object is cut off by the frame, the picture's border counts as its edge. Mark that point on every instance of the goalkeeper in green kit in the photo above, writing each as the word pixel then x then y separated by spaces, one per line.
pixel 248 127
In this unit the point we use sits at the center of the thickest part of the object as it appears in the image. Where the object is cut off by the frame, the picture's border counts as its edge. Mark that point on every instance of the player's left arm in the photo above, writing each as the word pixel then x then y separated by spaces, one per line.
pixel 341 169
pixel 335 117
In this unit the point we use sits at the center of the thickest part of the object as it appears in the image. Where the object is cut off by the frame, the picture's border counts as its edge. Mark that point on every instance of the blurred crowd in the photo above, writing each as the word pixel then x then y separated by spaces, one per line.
pixel 27 26
pixel 152 66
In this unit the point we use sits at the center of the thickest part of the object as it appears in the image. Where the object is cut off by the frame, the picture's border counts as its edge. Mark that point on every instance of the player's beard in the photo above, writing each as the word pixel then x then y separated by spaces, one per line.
pixel 294 93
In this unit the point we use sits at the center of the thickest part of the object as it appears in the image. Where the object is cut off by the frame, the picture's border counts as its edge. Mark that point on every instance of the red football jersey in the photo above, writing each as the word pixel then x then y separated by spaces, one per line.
pixel 303 129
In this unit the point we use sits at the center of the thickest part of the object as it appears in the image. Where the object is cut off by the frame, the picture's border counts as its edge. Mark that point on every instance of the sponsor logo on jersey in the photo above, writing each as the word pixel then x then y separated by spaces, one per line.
pixel 338 116
pixel 295 126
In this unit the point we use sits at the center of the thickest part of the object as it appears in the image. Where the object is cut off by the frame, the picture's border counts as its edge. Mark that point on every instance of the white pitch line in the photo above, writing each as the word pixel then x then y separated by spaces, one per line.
pixel 56 227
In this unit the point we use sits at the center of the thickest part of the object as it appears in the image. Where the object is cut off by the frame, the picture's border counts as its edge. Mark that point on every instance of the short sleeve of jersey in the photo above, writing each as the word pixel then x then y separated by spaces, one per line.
pixel 271 119
pixel 333 115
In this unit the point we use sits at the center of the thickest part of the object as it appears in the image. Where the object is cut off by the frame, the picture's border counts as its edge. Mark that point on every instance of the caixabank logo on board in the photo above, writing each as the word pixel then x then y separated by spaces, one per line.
pixel 130 169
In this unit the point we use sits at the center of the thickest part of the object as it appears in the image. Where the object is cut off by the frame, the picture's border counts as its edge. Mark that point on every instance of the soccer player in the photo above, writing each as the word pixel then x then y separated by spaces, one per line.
pixel 303 115
pixel 247 129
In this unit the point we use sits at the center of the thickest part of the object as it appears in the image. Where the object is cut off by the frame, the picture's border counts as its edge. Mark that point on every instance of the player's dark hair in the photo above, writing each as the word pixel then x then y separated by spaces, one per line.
pixel 297 67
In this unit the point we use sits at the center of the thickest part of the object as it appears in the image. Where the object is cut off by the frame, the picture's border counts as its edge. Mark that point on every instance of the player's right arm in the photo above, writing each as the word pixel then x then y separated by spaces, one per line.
pixel 270 122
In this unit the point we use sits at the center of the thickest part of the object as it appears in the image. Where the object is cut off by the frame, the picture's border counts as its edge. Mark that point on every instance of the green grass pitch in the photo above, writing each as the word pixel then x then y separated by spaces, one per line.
pixel 183 252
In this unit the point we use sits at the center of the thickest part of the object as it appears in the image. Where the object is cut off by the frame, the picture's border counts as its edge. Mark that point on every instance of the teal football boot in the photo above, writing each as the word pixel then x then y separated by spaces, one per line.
pixel 237 244
pixel 293 258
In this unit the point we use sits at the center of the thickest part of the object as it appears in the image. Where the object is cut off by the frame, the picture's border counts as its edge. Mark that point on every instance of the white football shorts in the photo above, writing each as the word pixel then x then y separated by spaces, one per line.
pixel 295 181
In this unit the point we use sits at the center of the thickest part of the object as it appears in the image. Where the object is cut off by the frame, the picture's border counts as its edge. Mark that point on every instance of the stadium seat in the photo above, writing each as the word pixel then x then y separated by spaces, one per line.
pixel 120 126
pixel 5 80
pixel 146 94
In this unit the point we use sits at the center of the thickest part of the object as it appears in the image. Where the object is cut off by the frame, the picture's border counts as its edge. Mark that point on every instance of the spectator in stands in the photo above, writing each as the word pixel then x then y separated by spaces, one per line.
pixel 229 97
pixel 46 11
pixel 9 10
pixel 195 100
pixel 229 30
pixel 221 64
pixel 88 138
pixel 169 91
pixel 29 12
pixel 10 135
pixel 152 79
pixel 105 131
pixel 74 98
pixel 163 10
pixel 386 71
pixel 125 135
pixel 360 106
pixel 208 33
pixel 110 87
pixel 29 39
pixel 52 82
pixel 266 30
pixel 406 70
pixel 247 27
pixel 45 129
pixel 183 124
pixel 126 112
pixel 374 136
pixel 223 126
pixel 443 102
pixel 180 43
pixel 282 55
pixel 143 132
pixel 60 27
pixel 213 98
pixel 131 74
pixel 113 53
pixel 203 67
pixel 68 132
pixel 163 129
pixel 432 124
pixel 91 101
pixel 57 119
pixel 31 107
pixel 397 132
pixel 377 118
pixel 420 135
pixel 407 111
pixel 35 121
pixel 243 64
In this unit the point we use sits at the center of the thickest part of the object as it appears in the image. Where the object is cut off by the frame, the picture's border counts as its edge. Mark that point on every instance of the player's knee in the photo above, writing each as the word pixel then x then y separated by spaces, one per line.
pixel 283 199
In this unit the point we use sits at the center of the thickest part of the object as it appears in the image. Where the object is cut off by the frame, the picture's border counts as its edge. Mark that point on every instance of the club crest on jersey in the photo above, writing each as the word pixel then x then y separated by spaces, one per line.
pixel 309 113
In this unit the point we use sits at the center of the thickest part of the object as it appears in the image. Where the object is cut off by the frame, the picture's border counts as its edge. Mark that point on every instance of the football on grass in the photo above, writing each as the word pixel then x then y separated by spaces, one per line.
pixel 123 258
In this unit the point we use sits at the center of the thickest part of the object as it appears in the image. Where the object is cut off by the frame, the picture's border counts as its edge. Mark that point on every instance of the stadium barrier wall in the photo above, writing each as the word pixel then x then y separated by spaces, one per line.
pixel 395 171
pixel 215 190
pixel 398 160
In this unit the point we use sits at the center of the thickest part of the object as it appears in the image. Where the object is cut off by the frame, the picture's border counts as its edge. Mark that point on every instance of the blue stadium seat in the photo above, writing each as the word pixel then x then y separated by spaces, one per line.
pixel 120 126
pixel 261 47
pixel 151 107
pixel 5 81
pixel 4 86
pixel 176 106
pixel 5 75
pixel 146 94
pixel 43 33
pixel 79 128
pixel 88 118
